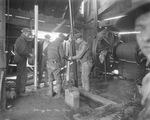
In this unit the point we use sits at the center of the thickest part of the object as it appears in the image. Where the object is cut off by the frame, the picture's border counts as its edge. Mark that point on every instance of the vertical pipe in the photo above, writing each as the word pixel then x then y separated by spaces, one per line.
pixel 73 44
pixel 68 62
pixel 71 20
pixel 35 44
pixel 68 71
pixel 105 66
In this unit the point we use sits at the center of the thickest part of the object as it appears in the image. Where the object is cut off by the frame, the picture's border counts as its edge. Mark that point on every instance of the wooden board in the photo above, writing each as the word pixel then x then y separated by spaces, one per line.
pixel 94 97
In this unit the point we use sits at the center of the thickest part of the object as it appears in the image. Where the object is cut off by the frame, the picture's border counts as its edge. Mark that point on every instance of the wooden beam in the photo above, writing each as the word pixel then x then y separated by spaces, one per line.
pixel 94 97
pixel 105 4
pixel 95 7
pixel 117 9
pixel 2 34
pixel 87 11
pixel 2 54
pixel 107 23
pixel 30 15
pixel 42 26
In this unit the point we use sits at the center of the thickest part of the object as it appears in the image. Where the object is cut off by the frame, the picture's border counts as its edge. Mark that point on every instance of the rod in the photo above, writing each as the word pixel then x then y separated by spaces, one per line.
pixel 35 44
pixel 60 25
pixel 72 45
pixel 105 69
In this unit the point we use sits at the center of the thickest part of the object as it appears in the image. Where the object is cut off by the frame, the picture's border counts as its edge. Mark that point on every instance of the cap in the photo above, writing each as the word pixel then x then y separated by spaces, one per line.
pixel 62 36
pixel 47 36
pixel 26 30
pixel 78 35
pixel 128 22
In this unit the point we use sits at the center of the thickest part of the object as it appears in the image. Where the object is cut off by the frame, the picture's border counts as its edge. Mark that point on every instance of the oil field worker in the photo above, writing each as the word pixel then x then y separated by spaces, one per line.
pixel 84 56
pixel 138 19
pixel 23 50
pixel 42 58
pixel 55 54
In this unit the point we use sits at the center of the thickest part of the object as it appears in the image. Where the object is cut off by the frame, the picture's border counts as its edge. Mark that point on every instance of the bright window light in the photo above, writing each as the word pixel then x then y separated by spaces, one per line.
pixel 8 15
pixel 41 34
pixel 131 32
pixel 115 72
pixel 22 17
pixel 116 17
pixel 82 7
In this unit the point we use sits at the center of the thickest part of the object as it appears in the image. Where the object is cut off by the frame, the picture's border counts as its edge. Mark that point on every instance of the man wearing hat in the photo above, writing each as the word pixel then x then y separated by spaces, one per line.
pixel 55 54
pixel 138 19
pixel 42 45
pixel 84 56
pixel 23 50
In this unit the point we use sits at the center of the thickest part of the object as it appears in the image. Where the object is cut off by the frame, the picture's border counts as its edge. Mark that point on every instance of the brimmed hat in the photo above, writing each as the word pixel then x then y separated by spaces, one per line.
pixel 128 22
pixel 78 35
pixel 26 30
pixel 62 36
pixel 47 36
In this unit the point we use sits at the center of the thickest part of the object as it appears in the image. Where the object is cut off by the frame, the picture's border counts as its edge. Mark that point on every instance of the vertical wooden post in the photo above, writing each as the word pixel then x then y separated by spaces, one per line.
pixel 95 16
pixel 2 34
pixel 73 44
pixel 35 44
pixel 2 54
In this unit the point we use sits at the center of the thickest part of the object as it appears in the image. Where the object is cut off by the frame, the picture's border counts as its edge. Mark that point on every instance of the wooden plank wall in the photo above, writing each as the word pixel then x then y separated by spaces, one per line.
pixel 2 34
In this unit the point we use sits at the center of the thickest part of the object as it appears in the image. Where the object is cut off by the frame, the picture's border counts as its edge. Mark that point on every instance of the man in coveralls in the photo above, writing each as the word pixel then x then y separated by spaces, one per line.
pixel 42 58
pixel 23 50
pixel 84 56
pixel 55 54
pixel 138 19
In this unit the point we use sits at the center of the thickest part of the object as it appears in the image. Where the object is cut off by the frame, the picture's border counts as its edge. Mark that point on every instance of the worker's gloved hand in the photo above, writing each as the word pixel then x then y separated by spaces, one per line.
pixel 66 58
pixel 70 58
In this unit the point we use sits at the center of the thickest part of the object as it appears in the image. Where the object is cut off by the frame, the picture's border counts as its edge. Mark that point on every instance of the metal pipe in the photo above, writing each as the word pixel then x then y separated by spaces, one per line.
pixel 72 45
pixel 35 44
pixel 71 20
pixel 105 68
pixel 60 25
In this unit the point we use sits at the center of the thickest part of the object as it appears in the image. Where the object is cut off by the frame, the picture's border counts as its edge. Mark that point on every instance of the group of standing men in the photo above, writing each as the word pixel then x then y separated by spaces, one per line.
pixel 136 19
pixel 50 56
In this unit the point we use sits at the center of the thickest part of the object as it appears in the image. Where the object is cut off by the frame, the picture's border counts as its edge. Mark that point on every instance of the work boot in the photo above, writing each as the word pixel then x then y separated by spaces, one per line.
pixel 59 91
pixel 50 92
pixel 38 86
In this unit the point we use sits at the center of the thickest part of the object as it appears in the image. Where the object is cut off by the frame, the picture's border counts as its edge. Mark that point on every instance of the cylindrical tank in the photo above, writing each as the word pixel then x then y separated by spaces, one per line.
pixel 126 51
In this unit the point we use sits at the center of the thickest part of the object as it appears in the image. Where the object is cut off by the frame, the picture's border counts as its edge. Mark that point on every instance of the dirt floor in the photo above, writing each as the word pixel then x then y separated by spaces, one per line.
pixel 38 106
pixel 118 90
pixel 122 91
